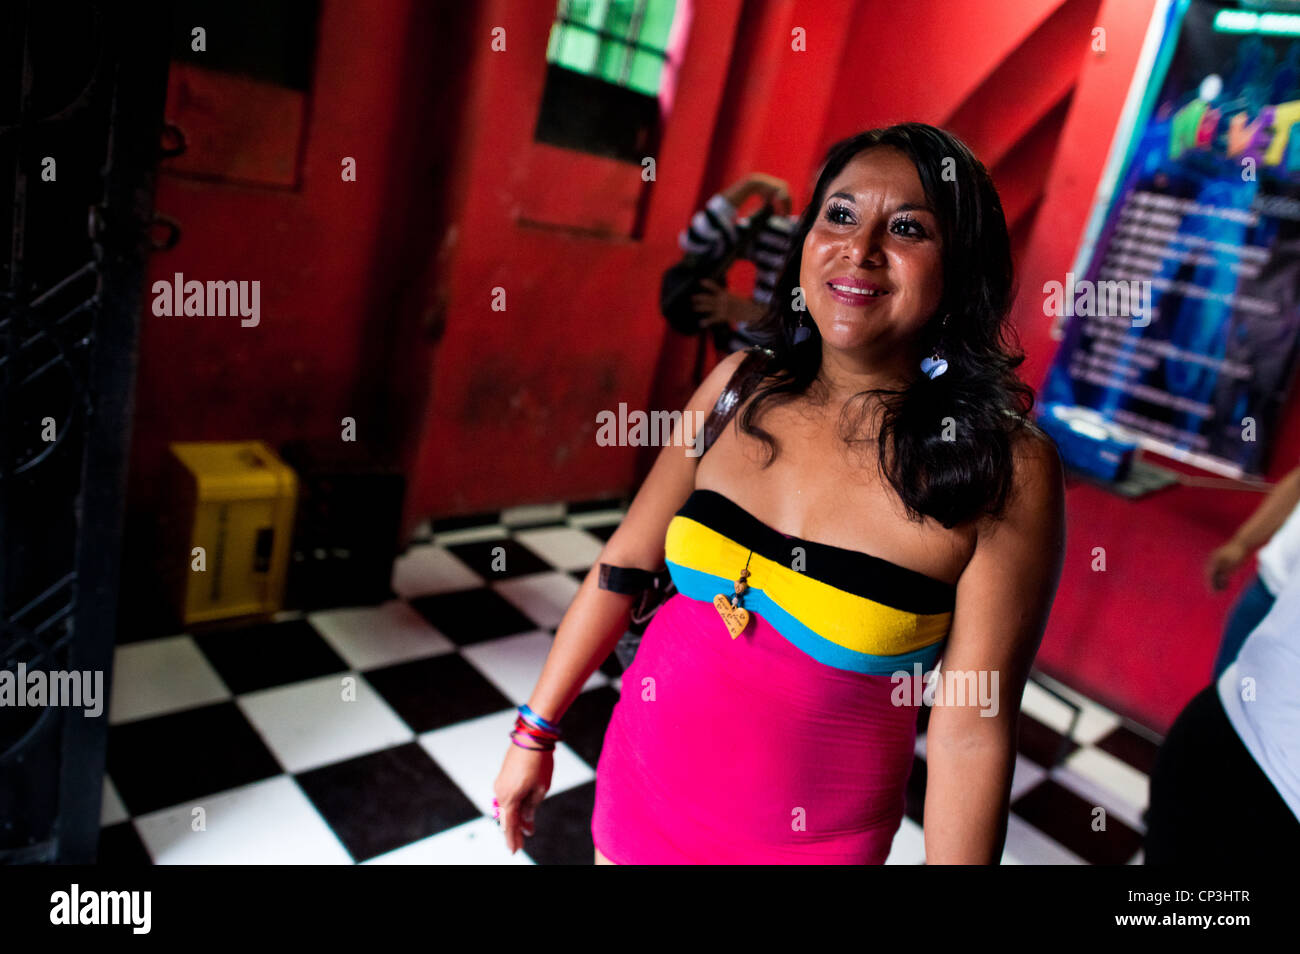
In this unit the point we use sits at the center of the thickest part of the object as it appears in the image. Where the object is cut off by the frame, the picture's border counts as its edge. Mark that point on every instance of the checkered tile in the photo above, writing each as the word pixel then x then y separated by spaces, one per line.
pixel 374 734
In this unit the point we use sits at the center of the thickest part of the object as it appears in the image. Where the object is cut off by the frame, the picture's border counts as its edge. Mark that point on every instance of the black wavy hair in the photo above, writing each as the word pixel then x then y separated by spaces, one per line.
pixel 971 473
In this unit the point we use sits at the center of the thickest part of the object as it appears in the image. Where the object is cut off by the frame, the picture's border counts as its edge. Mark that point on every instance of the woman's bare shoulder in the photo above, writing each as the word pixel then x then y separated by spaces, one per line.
pixel 1034 451
pixel 711 387
pixel 1037 487
pixel 1038 482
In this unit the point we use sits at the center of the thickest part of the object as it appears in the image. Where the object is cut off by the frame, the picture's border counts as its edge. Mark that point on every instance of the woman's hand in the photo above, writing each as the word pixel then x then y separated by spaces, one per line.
pixel 1222 563
pixel 523 782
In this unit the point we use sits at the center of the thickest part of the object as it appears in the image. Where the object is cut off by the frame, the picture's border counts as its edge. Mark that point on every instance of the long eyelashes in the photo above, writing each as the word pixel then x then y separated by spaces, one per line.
pixel 916 229
pixel 835 209
pixel 912 223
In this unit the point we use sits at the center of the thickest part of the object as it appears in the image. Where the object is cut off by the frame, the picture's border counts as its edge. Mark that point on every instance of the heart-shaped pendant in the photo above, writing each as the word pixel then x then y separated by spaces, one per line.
pixel 736 617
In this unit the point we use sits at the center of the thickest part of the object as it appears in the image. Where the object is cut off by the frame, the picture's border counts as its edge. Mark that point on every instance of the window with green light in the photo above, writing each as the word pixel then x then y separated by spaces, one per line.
pixel 622 42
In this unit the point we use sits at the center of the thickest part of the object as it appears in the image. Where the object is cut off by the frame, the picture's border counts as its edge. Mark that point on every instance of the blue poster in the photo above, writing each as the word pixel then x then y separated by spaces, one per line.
pixel 1180 325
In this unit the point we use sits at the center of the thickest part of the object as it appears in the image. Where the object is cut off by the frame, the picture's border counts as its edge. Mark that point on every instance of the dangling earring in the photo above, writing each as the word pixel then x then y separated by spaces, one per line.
pixel 801 331
pixel 936 365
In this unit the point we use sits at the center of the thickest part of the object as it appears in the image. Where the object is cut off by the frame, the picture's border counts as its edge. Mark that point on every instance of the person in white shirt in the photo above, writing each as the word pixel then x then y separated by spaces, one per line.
pixel 1277 521
pixel 1226 783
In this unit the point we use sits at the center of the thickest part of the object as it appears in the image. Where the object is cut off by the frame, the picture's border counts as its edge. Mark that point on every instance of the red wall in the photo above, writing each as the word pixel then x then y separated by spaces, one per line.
pixel 515 393
pixel 331 256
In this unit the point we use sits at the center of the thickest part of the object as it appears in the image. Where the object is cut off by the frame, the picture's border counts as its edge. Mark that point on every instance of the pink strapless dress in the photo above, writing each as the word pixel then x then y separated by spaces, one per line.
pixel 754 754
pixel 791 743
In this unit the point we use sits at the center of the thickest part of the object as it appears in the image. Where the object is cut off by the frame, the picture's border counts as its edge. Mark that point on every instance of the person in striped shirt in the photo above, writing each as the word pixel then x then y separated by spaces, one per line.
pixel 713 232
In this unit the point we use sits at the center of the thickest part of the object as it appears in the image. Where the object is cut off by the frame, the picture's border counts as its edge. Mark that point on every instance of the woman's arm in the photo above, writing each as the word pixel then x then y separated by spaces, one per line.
pixel 1270 514
pixel 711 231
pixel 1267 519
pixel 597 618
pixel 1004 597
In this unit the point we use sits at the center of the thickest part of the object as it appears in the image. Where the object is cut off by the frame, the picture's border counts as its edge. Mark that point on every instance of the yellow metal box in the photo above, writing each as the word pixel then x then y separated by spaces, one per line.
pixel 231 530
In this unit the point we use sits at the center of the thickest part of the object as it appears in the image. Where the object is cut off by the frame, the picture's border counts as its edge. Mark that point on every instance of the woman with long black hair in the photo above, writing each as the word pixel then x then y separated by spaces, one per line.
pixel 882 500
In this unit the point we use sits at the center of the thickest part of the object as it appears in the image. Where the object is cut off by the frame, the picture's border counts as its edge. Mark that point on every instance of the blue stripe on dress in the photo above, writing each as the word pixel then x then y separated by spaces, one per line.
pixel 702 586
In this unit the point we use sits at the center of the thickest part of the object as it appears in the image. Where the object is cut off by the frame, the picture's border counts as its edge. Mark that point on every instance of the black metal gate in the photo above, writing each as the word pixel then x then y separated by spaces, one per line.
pixel 82 86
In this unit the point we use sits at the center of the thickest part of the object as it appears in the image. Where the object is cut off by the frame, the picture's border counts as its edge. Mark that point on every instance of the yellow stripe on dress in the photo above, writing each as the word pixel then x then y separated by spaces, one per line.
pixel 853 622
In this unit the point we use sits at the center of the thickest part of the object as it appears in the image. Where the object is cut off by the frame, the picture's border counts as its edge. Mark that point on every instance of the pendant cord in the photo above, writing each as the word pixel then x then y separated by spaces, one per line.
pixel 738 592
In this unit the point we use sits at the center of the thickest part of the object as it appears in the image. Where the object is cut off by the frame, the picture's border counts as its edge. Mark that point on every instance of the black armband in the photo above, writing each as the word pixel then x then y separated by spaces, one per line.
pixel 628 580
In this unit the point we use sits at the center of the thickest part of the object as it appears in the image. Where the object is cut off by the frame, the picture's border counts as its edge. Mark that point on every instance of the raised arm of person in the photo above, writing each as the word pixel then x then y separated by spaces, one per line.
pixel 712 230
pixel 1255 532
pixel 765 187
pixel 1004 597
pixel 597 618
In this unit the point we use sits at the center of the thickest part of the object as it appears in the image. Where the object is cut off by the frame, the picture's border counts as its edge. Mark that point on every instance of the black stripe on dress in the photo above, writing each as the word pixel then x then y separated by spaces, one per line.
pixel 852 571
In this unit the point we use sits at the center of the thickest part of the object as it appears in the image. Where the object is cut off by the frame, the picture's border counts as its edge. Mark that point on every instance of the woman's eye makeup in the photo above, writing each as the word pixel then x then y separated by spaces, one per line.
pixel 841 214
pixel 834 210
pixel 907 222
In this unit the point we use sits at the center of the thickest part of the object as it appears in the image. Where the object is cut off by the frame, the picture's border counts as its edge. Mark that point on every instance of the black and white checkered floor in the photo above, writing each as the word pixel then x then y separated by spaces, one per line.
pixel 374 734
